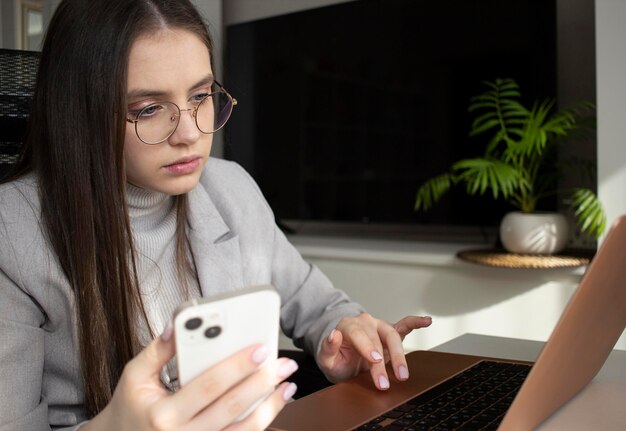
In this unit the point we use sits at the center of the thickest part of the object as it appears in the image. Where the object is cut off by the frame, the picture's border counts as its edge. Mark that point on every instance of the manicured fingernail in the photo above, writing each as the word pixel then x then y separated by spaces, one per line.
pixel 331 336
pixel 260 354
pixel 403 372
pixel 376 356
pixel 289 390
pixel 167 331
pixel 287 368
pixel 383 383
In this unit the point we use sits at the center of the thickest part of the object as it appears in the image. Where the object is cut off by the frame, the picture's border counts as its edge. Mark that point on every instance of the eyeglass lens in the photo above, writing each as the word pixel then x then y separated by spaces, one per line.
pixel 156 122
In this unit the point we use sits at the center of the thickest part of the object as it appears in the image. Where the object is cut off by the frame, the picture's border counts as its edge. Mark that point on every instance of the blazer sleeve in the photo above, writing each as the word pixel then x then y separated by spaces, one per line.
pixel 311 305
pixel 22 406
pixel 24 322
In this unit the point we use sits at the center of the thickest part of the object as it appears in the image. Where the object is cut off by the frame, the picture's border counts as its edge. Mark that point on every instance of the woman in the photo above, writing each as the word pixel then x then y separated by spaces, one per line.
pixel 116 214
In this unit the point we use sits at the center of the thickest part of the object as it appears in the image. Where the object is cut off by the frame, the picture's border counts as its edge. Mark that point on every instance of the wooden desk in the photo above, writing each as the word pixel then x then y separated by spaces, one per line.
pixel 599 406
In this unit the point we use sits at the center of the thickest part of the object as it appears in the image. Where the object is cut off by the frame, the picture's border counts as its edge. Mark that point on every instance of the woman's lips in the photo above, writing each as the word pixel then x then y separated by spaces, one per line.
pixel 184 166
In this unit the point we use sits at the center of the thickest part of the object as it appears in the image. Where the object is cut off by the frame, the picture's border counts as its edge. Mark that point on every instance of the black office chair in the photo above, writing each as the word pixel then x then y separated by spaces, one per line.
pixel 18 72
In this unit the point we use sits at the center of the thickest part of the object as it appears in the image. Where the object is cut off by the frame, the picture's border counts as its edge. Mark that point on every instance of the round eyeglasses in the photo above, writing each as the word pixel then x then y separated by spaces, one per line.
pixel 156 122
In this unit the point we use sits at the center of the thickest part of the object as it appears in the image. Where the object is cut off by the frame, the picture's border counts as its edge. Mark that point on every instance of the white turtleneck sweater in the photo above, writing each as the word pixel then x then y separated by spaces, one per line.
pixel 153 221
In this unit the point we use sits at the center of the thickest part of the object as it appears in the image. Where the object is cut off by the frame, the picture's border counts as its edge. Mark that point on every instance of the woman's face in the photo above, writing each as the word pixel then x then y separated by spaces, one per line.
pixel 168 66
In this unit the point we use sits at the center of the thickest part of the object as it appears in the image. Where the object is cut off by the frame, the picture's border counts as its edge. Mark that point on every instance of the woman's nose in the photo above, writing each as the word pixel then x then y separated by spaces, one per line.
pixel 187 131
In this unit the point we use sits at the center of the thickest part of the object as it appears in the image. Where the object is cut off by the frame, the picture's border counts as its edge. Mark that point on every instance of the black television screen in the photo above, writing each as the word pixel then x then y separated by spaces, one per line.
pixel 345 110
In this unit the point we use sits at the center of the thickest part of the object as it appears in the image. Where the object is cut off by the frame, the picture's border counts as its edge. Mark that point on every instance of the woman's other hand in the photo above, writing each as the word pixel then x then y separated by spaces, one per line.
pixel 366 343
pixel 211 401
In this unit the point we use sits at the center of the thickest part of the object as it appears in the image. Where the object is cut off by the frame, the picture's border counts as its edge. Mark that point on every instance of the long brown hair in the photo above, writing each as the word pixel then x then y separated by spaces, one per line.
pixel 75 145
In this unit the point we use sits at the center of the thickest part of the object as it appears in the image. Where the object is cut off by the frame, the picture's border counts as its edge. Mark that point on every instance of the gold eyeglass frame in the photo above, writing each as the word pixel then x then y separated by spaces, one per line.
pixel 194 112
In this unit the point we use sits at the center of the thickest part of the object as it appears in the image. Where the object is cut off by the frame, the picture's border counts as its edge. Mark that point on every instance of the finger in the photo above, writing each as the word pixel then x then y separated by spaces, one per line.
pixel 239 399
pixel 213 383
pixel 149 362
pixel 406 325
pixel 330 349
pixel 369 346
pixel 329 359
pixel 393 343
pixel 378 370
pixel 366 344
pixel 265 413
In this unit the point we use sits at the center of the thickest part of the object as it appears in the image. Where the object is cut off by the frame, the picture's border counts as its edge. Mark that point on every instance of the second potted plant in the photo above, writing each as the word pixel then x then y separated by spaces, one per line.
pixel 516 166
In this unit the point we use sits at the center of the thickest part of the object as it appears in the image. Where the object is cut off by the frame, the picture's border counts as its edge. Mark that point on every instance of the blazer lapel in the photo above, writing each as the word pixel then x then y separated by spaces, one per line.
pixel 214 247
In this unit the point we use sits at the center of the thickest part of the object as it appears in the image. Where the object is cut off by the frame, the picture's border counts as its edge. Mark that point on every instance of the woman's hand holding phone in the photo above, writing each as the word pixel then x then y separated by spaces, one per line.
pixel 229 376
pixel 211 401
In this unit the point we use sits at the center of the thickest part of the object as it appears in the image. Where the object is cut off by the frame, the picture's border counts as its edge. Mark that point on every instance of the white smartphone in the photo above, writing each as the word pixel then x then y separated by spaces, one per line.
pixel 208 330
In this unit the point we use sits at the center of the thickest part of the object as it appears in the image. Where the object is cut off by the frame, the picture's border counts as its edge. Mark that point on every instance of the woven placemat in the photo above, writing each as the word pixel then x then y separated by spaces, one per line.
pixel 504 259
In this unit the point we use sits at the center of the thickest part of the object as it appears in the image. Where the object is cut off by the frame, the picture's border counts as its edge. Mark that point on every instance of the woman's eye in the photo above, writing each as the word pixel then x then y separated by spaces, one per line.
pixel 151 110
pixel 197 98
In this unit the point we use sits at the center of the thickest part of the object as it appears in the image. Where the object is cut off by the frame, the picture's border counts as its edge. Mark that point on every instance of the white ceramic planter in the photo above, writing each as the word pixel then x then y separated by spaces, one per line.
pixel 537 233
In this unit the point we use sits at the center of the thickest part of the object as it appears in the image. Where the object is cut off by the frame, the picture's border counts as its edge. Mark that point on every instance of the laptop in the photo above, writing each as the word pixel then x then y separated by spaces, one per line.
pixel 585 334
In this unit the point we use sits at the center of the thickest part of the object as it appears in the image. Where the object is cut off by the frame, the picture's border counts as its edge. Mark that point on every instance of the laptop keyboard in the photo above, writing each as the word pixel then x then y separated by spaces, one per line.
pixel 475 399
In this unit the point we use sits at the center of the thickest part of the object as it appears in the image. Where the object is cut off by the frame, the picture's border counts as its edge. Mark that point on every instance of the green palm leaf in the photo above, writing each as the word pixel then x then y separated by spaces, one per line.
pixel 432 190
pixel 589 213
pixel 482 174
pixel 516 150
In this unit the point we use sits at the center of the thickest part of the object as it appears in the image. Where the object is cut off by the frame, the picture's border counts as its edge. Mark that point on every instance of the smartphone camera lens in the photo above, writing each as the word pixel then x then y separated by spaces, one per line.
pixel 193 323
pixel 213 332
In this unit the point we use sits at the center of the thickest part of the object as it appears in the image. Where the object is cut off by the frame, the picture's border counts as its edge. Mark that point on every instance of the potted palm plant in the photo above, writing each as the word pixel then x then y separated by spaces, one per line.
pixel 516 166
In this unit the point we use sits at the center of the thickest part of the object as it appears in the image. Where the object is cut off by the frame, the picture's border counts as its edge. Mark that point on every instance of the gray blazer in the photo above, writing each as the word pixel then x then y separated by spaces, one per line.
pixel 235 243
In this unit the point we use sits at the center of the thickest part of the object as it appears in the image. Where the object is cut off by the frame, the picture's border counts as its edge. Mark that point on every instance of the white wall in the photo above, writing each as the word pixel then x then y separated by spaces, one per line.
pixel 8 31
pixel 611 90
pixel 395 279
pixel 1 28
pixel 49 6
pixel 237 11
